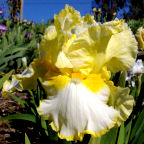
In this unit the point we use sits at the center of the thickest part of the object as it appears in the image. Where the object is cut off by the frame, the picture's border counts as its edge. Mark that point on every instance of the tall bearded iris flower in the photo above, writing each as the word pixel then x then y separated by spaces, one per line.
pixel 77 56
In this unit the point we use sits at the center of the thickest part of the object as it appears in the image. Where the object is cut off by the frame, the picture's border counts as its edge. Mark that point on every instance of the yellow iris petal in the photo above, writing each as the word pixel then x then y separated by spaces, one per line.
pixel 105 73
pixel 140 37
pixel 79 53
pixel 40 67
pixel 116 26
pixel 49 44
pixel 87 46
pixel 63 61
pixel 121 51
pixel 67 19
pixel 6 89
pixel 122 102
pixel 9 87
pixel 114 46
pixel 55 83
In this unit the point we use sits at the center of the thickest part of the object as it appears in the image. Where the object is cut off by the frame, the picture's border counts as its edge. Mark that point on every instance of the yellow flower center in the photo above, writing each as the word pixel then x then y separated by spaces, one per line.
pixel 79 76
pixel 93 82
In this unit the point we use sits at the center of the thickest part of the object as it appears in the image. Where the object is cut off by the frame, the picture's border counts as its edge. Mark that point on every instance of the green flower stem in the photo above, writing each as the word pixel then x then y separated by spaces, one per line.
pixel 138 86
pixel 122 79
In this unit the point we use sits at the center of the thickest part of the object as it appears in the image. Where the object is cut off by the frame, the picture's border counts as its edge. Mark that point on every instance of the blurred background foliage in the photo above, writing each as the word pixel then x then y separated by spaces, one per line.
pixel 14 8
pixel 126 9
pixel 21 39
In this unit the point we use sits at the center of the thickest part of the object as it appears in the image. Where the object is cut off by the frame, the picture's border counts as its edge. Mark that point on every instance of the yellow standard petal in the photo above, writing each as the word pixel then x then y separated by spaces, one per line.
pixel 121 50
pixel 79 52
pixel 63 61
pixel 49 44
pixel 67 19
pixel 114 46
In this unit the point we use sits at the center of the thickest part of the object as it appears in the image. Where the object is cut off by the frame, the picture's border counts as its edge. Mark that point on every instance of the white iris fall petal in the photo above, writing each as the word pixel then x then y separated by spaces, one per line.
pixel 75 110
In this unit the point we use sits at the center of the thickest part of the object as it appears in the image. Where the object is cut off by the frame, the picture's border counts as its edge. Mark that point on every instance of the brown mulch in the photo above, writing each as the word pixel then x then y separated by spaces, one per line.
pixel 11 133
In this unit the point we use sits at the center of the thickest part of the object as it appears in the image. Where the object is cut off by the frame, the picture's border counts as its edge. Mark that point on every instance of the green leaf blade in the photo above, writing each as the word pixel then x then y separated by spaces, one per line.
pixel 6 77
pixel 20 116
pixel 27 141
